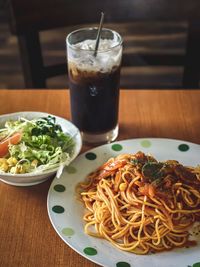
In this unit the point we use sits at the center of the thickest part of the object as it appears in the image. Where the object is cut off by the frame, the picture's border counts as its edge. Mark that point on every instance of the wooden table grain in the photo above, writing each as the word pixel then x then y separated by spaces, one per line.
pixel 27 238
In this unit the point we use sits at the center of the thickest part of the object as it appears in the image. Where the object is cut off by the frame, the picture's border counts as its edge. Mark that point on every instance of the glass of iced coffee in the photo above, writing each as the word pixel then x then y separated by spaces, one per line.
pixel 94 83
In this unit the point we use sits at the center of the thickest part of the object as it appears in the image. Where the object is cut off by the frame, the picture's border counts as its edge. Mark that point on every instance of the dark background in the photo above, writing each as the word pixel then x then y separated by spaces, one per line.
pixel 168 37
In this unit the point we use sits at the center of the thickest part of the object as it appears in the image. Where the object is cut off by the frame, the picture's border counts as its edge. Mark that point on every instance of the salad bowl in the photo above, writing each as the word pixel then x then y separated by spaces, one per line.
pixel 39 176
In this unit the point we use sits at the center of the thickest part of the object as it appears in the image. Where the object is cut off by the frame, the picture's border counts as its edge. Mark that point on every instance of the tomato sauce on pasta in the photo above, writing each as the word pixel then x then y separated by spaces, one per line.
pixel 141 205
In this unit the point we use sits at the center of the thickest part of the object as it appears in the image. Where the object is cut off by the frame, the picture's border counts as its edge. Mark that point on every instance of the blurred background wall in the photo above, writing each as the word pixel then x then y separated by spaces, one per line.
pixel 161 37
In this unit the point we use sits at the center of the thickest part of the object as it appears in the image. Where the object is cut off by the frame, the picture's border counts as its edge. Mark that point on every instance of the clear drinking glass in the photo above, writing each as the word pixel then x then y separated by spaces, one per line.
pixel 94 83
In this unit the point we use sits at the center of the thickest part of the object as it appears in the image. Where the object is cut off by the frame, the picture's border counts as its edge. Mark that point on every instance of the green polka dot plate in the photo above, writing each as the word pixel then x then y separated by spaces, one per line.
pixel 66 212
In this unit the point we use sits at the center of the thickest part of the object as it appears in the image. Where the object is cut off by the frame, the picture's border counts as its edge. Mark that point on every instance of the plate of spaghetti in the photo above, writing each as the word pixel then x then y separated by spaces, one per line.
pixel 131 203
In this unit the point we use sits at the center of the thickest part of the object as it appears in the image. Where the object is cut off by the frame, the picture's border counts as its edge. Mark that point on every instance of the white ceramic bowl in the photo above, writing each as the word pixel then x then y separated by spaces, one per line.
pixel 36 178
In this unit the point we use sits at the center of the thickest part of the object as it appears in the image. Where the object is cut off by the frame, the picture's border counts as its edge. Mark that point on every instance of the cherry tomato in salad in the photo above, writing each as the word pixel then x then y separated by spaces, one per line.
pixel 14 139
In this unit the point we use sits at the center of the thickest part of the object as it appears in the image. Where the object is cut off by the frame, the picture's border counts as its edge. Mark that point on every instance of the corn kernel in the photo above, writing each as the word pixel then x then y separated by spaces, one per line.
pixel 180 206
pixel 4 167
pixel 122 186
pixel 19 169
pixel 34 163
pixel 2 161
pixel 16 169
pixel 12 161
pixel 22 170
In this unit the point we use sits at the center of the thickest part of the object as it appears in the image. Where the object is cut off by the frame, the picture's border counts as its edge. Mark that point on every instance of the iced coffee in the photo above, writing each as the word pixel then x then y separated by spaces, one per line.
pixel 94 83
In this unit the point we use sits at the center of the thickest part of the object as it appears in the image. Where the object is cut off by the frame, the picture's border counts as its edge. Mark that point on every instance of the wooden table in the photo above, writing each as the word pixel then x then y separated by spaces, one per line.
pixel 27 237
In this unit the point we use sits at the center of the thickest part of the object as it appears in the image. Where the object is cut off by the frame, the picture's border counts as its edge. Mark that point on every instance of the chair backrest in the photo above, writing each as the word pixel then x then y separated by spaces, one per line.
pixel 28 18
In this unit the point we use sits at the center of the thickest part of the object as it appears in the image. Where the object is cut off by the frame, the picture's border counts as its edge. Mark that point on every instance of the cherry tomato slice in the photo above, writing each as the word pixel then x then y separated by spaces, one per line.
pixel 14 139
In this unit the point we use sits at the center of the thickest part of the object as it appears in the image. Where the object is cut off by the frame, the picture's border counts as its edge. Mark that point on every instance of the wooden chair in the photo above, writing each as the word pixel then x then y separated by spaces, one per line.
pixel 29 18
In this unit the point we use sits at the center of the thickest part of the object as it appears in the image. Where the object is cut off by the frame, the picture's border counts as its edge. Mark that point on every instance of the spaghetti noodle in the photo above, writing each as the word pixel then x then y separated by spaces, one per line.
pixel 141 205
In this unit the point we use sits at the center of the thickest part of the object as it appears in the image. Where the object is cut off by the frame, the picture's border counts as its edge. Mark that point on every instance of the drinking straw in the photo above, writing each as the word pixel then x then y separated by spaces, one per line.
pixel 98 34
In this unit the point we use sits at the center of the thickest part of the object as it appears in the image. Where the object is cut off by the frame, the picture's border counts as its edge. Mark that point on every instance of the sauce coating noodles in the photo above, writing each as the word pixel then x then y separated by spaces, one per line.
pixel 141 205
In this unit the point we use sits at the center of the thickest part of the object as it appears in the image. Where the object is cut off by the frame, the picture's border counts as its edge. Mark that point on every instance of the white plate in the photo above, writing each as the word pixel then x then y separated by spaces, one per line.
pixel 66 213
pixel 31 178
